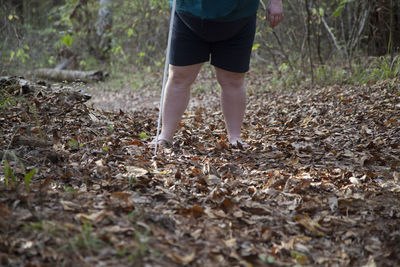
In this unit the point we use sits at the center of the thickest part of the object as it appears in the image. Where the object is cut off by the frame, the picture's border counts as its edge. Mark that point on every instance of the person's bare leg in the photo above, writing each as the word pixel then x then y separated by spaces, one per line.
pixel 177 95
pixel 233 101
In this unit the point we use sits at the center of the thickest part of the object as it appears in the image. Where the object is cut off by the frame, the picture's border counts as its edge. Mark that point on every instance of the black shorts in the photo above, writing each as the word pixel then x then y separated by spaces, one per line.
pixel 229 44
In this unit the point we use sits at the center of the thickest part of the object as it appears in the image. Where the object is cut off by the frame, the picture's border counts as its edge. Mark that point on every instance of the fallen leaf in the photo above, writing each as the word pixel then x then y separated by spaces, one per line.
pixel 310 225
pixel 195 211
pixel 69 206
pixel 4 211
pixel 92 218
pixel 184 260
pixel 121 195
pixel 231 243
pixel 227 205
pixel 299 257
pixel 134 172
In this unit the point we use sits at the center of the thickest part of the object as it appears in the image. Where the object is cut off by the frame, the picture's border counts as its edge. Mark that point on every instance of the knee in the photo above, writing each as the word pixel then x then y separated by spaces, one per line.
pixel 231 81
pixel 181 78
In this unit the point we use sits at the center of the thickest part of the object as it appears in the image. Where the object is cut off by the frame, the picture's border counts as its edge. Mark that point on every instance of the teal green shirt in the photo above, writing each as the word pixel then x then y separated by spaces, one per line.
pixel 224 10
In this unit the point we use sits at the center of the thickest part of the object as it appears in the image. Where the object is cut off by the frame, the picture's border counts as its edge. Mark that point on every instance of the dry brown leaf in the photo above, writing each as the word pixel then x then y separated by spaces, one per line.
pixel 231 243
pixel 121 195
pixel 69 205
pixel 227 205
pixel 93 217
pixel 134 172
pixel 196 234
pixel 310 225
pixel 331 152
pixel 184 260
pixel 4 211
pixel 116 229
pixel 195 211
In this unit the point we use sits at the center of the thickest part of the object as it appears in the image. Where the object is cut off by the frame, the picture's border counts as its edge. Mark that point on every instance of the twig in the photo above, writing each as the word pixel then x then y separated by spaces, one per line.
pixel 263 5
pixel 332 36
pixel 283 52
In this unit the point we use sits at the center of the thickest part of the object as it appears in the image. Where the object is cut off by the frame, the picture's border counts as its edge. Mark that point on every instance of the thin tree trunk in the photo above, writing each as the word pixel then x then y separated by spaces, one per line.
pixel 309 41
pixel 321 62
pixel 103 27
pixel 391 34
pixel 359 27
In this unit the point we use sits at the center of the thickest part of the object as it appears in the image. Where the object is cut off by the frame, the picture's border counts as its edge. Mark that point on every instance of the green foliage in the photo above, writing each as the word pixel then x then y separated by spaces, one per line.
pixel 340 8
pixel 137 41
pixel 142 239
pixel 142 29
pixel 28 178
pixel 32 109
pixel 390 67
pixel 20 54
pixel 380 68
pixel 28 35
pixel 330 74
pixel 70 190
pixel 73 144
pixel 34 226
pixel 7 99
pixel 86 239
pixel 66 40
pixel 377 69
pixel 255 46
pixel 9 173
pixel 143 135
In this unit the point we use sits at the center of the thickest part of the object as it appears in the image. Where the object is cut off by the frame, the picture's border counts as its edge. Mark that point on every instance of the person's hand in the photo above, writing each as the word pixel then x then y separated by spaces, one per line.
pixel 274 12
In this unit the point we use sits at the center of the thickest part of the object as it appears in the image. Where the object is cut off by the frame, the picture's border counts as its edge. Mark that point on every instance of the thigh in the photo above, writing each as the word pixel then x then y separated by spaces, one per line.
pixel 234 54
pixel 186 47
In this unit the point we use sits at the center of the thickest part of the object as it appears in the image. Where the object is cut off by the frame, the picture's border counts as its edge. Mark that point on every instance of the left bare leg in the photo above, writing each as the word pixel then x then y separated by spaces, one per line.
pixel 233 101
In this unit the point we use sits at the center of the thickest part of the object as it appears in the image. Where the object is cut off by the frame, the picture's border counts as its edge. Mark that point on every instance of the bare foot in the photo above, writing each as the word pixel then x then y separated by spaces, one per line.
pixel 239 144
pixel 161 142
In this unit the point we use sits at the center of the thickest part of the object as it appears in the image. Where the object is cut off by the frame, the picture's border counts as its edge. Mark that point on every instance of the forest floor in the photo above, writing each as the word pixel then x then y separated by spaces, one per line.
pixel 318 186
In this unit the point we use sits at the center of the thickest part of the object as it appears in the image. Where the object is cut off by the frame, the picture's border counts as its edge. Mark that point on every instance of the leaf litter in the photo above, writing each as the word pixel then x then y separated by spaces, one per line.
pixel 318 185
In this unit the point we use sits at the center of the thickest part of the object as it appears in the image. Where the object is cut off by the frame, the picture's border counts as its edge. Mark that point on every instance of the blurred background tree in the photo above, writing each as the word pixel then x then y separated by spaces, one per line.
pixel 319 40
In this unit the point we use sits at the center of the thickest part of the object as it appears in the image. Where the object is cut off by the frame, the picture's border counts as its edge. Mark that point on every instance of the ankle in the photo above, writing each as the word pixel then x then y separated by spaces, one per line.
pixel 234 139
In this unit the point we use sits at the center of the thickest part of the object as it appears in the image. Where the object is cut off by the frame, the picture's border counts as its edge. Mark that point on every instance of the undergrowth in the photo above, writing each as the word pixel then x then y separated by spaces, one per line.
pixel 367 70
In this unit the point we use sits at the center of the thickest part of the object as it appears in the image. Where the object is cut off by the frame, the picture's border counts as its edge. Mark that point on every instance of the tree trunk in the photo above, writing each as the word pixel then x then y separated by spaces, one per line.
pixel 309 21
pixel 103 27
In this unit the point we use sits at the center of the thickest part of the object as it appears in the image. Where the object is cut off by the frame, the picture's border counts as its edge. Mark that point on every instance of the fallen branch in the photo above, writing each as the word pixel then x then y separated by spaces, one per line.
pixel 30 141
pixel 71 75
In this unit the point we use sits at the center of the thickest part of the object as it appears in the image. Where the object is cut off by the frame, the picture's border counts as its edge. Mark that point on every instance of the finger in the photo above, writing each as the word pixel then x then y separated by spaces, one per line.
pixel 270 19
pixel 276 19
pixel 280 17
pixel 267 16
pixel 273 21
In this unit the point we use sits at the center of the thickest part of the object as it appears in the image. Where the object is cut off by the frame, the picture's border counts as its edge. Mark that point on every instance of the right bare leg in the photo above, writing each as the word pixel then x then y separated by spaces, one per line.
pixel 177 95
